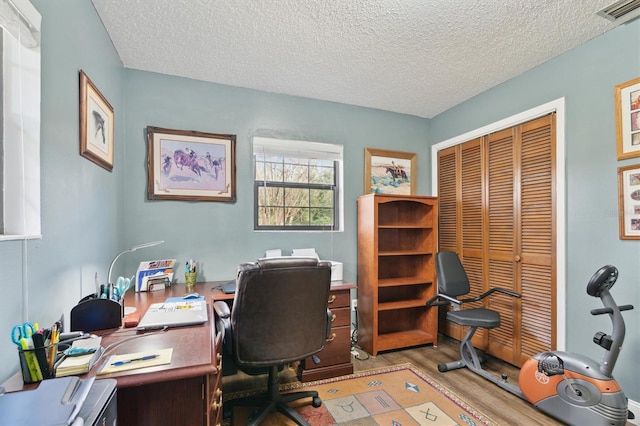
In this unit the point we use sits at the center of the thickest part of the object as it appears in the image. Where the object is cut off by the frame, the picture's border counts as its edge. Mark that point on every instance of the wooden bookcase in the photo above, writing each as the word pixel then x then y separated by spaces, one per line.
pixel 397 242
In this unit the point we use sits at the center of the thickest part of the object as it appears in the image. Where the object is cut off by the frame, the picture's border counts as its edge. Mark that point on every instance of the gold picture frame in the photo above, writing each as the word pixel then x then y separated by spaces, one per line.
pixel 96 124
pixel 190 165
pixel 629 202
pixel 627 99
pixel 390 172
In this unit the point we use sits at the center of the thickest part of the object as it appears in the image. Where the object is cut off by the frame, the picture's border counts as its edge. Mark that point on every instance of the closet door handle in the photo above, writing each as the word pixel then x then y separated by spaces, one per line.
pixel 517 259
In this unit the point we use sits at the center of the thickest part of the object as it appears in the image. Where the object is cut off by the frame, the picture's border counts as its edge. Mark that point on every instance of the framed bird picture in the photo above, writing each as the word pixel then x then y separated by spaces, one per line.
pixel 96 124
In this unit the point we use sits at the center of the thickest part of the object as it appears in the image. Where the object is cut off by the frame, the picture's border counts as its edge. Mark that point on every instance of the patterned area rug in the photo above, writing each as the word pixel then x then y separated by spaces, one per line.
pixel 397 396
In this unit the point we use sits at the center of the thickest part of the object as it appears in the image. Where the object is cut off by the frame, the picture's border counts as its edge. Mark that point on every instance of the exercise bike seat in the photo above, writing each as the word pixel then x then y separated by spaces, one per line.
pixel 478 317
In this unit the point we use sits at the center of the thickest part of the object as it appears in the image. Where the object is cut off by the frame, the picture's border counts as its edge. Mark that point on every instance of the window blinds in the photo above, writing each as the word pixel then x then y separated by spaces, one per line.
pixel 297 149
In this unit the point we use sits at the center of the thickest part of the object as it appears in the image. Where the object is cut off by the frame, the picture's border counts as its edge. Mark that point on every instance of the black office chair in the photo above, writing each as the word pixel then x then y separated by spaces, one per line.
pixel 279 315
pixel 452 283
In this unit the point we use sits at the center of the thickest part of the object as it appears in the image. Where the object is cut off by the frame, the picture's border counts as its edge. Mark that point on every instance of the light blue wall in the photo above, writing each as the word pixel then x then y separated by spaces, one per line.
pixel 220 235
pixel 80 202
pixel 585 77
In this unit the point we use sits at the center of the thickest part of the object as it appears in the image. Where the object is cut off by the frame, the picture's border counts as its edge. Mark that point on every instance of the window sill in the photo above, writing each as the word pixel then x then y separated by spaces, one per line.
pixel 20 237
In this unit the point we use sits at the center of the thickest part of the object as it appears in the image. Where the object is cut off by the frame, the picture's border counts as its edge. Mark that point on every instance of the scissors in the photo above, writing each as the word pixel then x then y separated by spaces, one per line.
pixel 122 285
pixel 24 331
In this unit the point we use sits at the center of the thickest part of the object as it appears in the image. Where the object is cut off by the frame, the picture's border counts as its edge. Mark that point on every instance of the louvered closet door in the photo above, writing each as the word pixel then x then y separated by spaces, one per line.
pixel 502 226
pixel 502 217
pixel 470 243
pixel 448 220
pixel 460 200
pixel 537 254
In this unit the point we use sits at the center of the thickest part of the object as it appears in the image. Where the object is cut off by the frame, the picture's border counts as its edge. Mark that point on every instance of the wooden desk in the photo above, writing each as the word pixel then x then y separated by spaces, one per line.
pixel 335 358
pixel 185 392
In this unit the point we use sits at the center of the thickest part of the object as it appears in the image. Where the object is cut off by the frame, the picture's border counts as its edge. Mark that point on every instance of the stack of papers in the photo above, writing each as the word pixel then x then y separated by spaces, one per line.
pixel 80 364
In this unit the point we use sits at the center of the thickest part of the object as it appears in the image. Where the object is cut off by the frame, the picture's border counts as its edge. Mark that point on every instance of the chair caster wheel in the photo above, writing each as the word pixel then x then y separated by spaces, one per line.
pixel 316 402
pixel 442 368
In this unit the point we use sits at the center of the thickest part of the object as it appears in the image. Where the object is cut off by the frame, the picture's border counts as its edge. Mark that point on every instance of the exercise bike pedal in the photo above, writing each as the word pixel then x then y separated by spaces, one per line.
pixel 550 364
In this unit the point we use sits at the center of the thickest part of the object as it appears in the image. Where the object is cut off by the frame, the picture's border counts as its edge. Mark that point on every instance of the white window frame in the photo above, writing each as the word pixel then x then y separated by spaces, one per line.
pixel 302 149
pixel 20 23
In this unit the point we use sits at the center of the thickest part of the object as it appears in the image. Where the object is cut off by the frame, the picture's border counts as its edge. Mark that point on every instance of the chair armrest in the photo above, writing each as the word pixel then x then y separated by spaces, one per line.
pixel 222 309
pixel 329 321
pixel 490 292
pixel 223 324
pixel 435 300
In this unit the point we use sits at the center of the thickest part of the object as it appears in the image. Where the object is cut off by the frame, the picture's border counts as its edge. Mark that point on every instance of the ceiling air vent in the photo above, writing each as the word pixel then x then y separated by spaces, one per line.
pixel 621 11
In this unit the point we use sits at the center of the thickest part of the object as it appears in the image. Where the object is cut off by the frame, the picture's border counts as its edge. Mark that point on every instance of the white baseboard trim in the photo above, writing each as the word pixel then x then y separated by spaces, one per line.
pixel 635 408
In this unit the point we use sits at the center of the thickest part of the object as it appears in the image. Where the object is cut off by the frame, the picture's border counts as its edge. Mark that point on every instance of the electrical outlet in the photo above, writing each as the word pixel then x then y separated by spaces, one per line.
pixel 354 304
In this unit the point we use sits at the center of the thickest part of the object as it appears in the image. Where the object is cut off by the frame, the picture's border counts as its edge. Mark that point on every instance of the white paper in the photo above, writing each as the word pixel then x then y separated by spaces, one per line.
pixel 305 252
pixel 273 253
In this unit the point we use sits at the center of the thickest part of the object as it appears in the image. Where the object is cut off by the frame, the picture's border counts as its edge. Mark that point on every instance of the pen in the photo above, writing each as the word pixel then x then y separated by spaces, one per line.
pixel 127 361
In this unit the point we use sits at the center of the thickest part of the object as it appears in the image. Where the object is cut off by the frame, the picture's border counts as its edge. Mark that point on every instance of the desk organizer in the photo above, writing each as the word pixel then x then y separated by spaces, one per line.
pixel 96 314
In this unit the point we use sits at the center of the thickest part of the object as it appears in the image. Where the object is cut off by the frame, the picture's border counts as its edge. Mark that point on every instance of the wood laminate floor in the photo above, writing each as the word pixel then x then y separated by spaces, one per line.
pixel 495 402
pixel 498 404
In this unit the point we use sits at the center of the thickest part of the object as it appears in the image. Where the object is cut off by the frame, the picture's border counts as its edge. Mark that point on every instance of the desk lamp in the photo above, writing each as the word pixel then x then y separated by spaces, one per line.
pixel 134 248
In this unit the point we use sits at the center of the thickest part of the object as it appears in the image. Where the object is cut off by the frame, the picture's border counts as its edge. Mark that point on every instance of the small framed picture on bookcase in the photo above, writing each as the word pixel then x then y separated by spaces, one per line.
pixel 390 172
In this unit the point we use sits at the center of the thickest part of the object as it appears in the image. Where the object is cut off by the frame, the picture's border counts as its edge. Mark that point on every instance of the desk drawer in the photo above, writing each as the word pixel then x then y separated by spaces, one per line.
pixel 335 358
pixel 342 317
pixel 336 351
pixel 339 299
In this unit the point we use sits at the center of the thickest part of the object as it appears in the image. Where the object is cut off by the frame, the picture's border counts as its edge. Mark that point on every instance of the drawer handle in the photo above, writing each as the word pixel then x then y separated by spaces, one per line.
pixel 333 317
pixel 219 358
pixel 332 298
pixel 217 404
pixel 332 338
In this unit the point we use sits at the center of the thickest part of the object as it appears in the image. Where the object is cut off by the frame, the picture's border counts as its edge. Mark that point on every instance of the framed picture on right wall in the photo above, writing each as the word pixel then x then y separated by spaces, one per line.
pixel 629 202
pixel 627 98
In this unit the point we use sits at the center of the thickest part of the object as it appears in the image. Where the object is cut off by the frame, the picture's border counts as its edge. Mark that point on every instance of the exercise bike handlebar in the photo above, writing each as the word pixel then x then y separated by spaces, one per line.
pixel 490 292
pixel 601 311
pixel 434 301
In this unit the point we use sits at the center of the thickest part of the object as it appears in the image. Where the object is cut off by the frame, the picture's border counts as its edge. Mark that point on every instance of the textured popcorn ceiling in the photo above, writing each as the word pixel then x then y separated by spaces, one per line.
pixel 416 57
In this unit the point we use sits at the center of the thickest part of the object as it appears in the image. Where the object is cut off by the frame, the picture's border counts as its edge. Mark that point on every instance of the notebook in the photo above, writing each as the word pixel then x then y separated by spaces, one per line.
pixel 72 365
pixel 174 314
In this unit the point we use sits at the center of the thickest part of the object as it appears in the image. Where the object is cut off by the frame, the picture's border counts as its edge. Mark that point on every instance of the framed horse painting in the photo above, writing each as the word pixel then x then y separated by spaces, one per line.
pixel 190 165
pixel 389 172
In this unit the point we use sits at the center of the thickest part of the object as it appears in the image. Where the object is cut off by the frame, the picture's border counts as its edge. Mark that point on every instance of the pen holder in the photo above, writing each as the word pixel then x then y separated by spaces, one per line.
pixel 36 364
pixel 190 278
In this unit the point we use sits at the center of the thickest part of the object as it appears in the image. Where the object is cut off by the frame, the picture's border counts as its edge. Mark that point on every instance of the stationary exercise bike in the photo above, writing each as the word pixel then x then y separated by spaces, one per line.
pixel 570 387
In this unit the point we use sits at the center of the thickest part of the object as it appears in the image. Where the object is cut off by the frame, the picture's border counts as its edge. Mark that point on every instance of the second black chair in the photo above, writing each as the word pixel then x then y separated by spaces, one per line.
pixel 452 283
pixel 279 316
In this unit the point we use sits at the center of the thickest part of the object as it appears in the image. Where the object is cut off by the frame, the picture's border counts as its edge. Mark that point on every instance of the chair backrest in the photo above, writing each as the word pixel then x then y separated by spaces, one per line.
pixel 279 313
pixel 452 278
